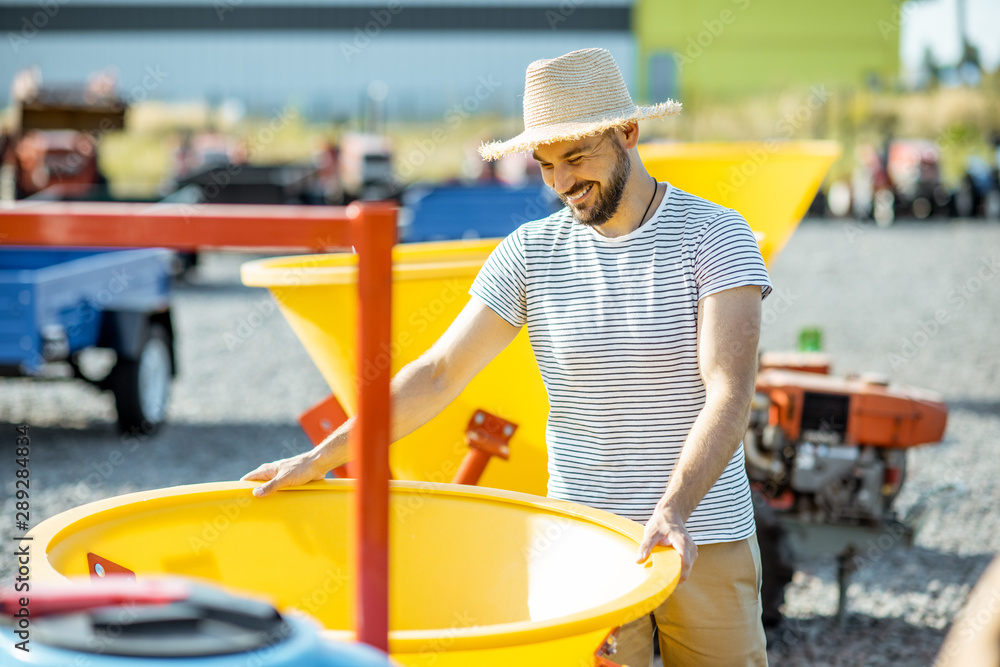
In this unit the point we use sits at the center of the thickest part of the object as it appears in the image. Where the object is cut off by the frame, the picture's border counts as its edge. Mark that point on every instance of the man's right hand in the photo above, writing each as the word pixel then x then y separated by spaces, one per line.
pixel 300 469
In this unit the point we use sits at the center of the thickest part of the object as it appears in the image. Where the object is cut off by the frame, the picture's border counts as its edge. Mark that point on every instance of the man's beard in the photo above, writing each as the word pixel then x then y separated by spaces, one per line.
pixel 607 198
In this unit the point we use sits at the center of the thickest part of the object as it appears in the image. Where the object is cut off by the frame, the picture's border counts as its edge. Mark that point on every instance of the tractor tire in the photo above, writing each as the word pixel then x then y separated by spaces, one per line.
pixel 991 205
pixel 775 560
pixel 965 199
pixel 142 387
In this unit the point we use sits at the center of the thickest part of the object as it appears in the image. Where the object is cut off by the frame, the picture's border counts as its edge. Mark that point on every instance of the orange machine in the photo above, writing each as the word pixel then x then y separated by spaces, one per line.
pixel 826 457
pixel 832 449
pixel 858 410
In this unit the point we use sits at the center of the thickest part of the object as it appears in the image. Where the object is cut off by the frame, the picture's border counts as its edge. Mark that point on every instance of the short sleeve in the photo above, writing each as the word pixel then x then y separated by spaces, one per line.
pixel 501 282
pixel 728 256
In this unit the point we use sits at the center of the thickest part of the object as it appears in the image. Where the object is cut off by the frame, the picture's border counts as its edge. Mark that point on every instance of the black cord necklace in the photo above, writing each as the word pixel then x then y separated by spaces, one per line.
pixel 656 187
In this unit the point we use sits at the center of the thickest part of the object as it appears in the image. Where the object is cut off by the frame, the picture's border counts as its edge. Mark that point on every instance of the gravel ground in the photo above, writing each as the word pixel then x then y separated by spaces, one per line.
pixel 874 292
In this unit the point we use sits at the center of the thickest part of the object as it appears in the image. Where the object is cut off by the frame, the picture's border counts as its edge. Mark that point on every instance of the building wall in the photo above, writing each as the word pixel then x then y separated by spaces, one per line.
pixel 719 48
pixel 429 59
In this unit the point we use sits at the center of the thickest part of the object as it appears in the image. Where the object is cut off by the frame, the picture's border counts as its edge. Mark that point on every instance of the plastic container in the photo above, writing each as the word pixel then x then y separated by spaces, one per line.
pixel 166 624
pixel 477 576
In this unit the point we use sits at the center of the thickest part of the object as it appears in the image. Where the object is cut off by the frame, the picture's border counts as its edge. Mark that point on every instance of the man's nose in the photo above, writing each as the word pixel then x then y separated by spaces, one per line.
pixel 563 180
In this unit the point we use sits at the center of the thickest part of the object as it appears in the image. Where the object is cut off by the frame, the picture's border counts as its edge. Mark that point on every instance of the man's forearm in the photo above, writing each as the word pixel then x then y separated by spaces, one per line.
pixel 418 392
pixel 709 447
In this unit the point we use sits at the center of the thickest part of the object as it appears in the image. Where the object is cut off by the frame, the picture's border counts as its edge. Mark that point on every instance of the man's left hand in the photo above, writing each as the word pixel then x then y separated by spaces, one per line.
pixel 665 528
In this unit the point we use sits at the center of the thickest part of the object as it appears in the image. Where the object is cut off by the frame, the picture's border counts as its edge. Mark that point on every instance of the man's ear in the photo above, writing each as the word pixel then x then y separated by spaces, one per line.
pixel 631 132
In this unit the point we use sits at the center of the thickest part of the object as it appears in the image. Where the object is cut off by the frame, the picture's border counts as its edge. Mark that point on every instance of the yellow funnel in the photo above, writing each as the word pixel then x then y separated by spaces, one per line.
pixel 477 576
pixel 317 294
pixel 430 286
pixel 770 183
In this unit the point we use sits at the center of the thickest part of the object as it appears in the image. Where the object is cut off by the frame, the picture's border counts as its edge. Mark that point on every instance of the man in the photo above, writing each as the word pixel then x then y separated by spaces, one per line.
pixel 642 303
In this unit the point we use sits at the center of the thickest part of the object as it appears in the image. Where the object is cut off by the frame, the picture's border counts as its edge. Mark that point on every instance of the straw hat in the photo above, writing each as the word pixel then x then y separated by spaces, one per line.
pixel 573 96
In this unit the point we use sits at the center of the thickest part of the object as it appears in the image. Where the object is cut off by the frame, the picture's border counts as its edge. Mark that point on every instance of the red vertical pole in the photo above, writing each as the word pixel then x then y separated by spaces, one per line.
pixel 374 234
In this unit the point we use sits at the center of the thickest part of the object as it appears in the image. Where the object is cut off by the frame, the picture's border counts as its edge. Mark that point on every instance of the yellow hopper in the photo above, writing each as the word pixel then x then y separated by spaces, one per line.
pixel 477 576
pixel 770 183
pixel 430 286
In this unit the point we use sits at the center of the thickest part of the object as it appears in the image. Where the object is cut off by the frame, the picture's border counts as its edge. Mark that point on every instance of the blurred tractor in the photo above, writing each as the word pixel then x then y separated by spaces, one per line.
pixel 915 176
pixel 366 167
pixel 978 192
pixel 52 151
pixel 871 193
pixel 826 457
pixel 211 167
pixel 904 180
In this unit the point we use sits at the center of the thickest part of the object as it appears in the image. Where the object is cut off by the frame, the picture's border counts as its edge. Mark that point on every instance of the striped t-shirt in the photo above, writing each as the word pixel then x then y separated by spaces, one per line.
pixel 612 322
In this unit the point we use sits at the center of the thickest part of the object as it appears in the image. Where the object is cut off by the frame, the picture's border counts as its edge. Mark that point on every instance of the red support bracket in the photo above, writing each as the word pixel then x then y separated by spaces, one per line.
pixel 608 647
pixel 100 567
pixel 320 421
pixel 487 436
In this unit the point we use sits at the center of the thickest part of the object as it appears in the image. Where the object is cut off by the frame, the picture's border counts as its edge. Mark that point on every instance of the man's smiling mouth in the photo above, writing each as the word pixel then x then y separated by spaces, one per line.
pixel 579 197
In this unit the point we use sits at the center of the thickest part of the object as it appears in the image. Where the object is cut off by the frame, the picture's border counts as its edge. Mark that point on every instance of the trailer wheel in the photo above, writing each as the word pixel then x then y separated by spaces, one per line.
pixel 142 387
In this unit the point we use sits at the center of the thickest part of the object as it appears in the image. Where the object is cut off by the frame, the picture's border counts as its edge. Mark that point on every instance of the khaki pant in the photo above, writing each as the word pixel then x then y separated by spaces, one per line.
pixel 713 618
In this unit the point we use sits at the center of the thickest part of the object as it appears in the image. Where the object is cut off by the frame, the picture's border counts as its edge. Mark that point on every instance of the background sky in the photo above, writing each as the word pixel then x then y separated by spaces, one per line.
pixel 935 23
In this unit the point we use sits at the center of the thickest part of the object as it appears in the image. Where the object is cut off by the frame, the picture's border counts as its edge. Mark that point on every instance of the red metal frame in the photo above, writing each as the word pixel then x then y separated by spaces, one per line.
pixel 374 235
pixel 486 436
pixel 180 226
pixel 369 227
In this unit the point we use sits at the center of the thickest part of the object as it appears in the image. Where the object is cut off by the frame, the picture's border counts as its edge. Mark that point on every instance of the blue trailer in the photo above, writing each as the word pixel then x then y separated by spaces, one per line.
pixel 437 213
pixel 57 303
